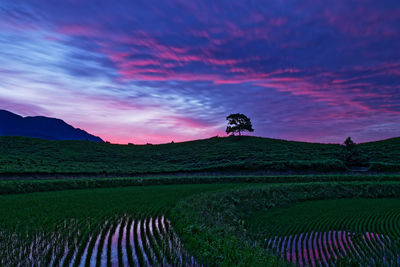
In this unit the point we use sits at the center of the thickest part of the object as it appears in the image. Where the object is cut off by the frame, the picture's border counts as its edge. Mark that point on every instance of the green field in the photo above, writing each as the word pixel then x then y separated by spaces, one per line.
pixel 40 185
pixel 55 217
pixel 237 201
pixel 250 227
pixel 332 232
pixel 230 224
pixel 19 155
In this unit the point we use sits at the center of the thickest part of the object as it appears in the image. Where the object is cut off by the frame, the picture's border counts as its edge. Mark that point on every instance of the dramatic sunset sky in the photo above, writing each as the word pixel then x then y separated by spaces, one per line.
pixel 155 71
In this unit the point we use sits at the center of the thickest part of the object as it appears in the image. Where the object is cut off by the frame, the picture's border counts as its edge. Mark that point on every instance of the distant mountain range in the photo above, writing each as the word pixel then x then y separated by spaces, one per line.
pixel 41 127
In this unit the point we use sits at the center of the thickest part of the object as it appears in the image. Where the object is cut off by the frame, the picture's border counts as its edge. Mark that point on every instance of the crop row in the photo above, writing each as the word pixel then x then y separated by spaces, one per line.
pixel 329 248
pixel 370 238
pixel 118 241
pixel 27 186
pixel 215 227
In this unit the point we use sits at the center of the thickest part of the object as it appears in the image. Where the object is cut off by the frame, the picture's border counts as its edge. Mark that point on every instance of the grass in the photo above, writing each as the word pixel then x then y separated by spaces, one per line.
pixel 19 155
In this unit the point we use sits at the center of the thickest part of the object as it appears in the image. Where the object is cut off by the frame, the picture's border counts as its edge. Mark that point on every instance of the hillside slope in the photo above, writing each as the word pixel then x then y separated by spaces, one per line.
pixel 41 127
pixel 230 154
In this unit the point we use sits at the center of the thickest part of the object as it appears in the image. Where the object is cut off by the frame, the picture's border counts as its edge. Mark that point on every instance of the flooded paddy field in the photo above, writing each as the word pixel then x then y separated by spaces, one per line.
pixel 119 241
pixel 364 232
pixel 99 227
pixel 203 225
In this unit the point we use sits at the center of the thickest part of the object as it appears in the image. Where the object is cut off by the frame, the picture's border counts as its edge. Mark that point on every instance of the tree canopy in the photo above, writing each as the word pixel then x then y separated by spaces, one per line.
pixel 349 143
pixel 353 155
pixel 238 123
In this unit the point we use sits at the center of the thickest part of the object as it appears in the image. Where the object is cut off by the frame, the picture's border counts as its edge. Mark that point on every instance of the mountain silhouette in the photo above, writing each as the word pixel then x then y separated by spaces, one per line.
pixel 41 127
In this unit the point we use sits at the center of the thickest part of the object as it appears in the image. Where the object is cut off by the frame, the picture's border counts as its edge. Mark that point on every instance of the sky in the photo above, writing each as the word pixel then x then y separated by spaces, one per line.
pixel 172 70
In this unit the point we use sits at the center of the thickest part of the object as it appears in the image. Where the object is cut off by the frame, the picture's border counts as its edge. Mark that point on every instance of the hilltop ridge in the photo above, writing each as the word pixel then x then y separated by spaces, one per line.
pixel 228 154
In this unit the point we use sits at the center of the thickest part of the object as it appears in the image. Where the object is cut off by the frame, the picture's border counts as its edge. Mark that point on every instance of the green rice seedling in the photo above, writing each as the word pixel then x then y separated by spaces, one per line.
pixel 152 242
pixel 89 237
pixel 96 237
pixel 120 236
pixel 145 243
pixel 109 241
pixel 103 239
pixel 158 231
pixel 129 250
pixel 80 246
pixel 138 249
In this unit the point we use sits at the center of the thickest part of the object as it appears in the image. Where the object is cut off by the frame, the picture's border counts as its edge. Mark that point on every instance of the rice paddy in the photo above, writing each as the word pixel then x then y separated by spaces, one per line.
pixel 333 232
pixel 124 241
pixel 99 227
pixel 284 225
pixel 204 225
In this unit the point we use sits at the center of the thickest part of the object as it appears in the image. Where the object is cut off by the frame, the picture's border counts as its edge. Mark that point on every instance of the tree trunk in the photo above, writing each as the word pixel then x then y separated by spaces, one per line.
pixel 239 133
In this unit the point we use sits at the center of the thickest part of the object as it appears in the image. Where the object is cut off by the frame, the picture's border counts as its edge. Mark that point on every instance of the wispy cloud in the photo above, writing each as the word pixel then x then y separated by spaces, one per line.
pixel 155 71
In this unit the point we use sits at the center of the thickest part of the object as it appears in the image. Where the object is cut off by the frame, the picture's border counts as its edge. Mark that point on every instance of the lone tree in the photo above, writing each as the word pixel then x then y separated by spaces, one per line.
pixel 349 144
pixel 353 155
pixel 238 123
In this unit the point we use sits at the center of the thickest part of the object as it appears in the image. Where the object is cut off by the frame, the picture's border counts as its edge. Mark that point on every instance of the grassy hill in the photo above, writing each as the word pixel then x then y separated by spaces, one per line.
pixel 20 155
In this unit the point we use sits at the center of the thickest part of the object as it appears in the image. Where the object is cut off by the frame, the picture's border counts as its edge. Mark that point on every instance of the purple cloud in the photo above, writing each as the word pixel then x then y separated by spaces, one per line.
pixel 156 71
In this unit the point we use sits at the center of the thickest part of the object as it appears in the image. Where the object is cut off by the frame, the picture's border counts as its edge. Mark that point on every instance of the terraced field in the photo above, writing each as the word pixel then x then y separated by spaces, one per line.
pixel 333 232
